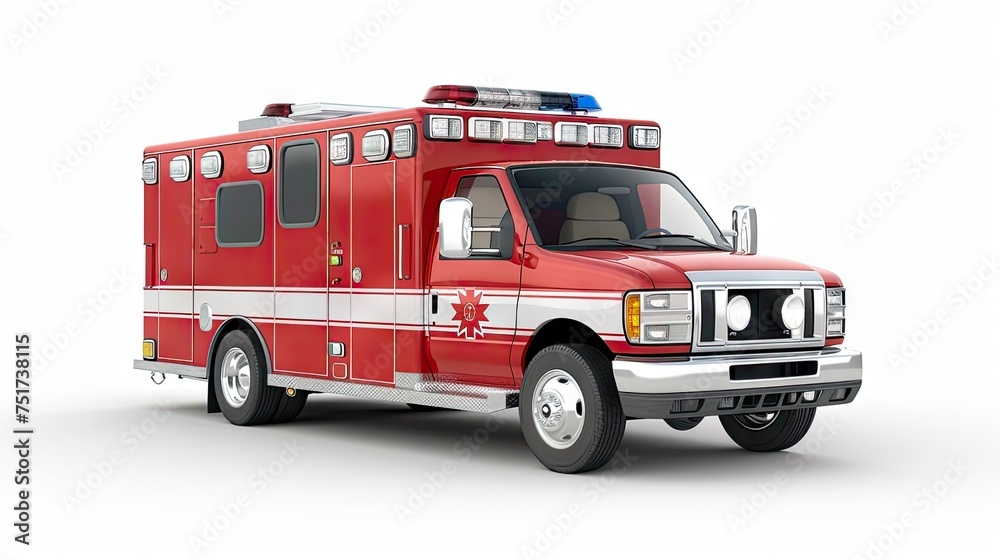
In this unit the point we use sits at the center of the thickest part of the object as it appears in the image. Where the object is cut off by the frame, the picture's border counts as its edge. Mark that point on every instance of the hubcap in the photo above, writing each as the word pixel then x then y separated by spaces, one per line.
pixel 235 377
pixel 757 421
pixel 557 409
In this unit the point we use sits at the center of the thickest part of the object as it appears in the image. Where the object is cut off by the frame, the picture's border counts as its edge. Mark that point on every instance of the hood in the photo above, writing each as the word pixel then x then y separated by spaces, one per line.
pixel 666 270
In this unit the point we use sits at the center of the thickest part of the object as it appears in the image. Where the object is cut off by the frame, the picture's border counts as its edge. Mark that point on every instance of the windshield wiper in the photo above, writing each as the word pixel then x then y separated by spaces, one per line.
pixel 611 239
pixel 692 238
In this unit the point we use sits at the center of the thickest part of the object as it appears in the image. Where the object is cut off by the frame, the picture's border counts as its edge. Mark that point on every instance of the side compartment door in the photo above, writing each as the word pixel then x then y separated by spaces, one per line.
pixel 300 257
pixel 372 273
pixel 175 258
pixel 474 300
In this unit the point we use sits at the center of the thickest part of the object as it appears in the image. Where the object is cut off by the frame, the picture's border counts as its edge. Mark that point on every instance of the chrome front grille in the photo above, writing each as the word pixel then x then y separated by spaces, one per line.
pixel 765 290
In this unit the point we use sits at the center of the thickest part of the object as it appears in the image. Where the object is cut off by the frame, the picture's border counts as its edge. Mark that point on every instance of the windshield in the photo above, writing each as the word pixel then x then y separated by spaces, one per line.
pixel 579 206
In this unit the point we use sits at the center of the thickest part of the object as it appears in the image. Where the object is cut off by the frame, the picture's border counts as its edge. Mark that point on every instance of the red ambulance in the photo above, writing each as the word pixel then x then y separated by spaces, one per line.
pixel 493 248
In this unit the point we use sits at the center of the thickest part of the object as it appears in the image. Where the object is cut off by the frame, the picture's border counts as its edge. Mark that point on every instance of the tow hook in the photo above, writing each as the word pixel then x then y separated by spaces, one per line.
pixel 153 377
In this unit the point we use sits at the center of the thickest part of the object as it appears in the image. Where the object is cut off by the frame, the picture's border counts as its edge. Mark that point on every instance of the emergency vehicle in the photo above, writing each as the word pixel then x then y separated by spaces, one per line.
pixel 493 248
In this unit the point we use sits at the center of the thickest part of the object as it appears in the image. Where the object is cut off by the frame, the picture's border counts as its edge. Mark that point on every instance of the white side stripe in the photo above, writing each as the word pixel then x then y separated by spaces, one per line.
pixel 408 307
pixel 372 308
pixel 307 306
pixel 255 304
pixel 150 301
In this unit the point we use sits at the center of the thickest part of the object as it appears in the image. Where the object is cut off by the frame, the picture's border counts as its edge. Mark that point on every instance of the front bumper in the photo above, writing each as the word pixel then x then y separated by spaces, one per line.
pixel 736 384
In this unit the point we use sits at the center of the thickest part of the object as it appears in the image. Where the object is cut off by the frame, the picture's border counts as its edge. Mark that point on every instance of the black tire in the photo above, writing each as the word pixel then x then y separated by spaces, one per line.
pixel 683 424
pixel 603 421
pixel 260 401
pixel 289 408
pixel 784 430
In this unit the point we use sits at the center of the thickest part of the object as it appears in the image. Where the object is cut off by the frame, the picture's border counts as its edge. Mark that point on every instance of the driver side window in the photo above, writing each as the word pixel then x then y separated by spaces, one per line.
pixel 489 210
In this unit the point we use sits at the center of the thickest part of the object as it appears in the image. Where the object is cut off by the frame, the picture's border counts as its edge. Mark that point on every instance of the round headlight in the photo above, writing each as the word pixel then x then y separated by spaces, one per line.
pixel 738 313
pixel 793 312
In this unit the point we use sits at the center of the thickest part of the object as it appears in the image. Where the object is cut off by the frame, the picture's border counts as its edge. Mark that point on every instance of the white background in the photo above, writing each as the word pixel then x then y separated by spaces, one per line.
pixel 896 72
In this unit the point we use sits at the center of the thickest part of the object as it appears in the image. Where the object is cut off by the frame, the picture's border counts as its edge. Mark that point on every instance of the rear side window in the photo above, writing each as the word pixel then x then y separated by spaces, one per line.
pixel 298 184
pixel 239 214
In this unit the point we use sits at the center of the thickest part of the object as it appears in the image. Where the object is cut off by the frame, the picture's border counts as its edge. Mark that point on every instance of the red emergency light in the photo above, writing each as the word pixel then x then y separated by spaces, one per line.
pixel 277 110
pixel 503 98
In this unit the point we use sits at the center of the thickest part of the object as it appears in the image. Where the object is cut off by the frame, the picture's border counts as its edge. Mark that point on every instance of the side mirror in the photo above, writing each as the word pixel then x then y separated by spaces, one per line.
pixel 455 228
pixel 745 228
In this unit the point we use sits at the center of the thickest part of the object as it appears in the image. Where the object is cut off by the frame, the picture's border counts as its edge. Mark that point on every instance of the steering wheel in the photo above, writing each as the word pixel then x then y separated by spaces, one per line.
pixel 654 230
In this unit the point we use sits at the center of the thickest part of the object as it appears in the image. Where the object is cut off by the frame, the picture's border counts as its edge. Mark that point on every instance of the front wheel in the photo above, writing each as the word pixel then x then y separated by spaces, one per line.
pixel 768 431
pixel 570 411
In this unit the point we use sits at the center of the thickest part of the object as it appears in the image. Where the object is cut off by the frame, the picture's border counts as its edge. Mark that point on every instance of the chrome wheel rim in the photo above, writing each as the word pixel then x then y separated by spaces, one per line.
pixel 557 409
pixel 235 377
pixel 756 422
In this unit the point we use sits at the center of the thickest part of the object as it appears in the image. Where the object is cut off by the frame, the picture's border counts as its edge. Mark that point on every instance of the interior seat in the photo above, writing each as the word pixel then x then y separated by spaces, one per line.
pixel 488 210
pixel 592 214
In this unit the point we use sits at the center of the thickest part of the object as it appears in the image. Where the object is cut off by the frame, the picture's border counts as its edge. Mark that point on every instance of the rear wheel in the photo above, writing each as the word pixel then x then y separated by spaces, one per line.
pixel 289 408
pixel 683 424
pixel 240 377
pixel 768 431
pixel 570 411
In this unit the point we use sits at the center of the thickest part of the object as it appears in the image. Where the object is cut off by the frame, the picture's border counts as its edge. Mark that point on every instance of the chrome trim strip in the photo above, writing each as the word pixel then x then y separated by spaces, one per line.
pixel 193 372
pixel 410 388
pixel 711 373
pixel 745 277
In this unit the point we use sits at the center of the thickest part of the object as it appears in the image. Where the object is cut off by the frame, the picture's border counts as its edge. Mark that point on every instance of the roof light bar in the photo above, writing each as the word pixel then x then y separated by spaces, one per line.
pixel 503 98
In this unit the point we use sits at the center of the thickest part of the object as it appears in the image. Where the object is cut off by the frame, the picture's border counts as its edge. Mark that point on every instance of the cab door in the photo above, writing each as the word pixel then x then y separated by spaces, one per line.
pixel 473 301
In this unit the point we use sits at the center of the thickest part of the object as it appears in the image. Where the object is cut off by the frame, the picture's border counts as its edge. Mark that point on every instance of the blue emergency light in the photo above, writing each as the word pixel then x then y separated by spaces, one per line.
pixel 503 98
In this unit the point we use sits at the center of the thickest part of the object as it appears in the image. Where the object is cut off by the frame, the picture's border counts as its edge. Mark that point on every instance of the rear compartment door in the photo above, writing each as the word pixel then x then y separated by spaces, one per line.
pixel 175 275
pixel 372 274
pixel 300 257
